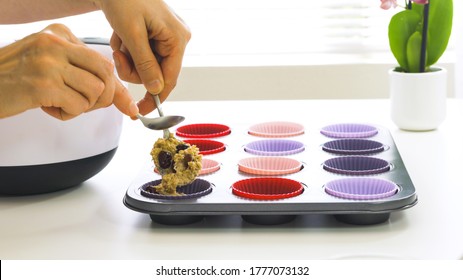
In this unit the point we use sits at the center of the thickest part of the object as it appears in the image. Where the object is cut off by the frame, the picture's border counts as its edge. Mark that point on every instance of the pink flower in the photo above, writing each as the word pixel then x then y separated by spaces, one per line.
pixel 387 4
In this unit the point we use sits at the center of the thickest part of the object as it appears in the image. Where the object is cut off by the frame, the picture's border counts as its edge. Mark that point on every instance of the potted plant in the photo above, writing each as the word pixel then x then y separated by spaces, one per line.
pixel 418 36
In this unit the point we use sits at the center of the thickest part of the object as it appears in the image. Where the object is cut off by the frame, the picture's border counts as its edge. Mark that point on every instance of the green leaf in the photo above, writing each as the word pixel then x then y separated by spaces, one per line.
pixel 439 30
pixel 413 52
pixel 401 28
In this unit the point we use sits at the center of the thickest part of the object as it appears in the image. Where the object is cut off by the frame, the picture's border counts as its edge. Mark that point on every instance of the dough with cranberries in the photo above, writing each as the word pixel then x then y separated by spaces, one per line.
pixel 179 163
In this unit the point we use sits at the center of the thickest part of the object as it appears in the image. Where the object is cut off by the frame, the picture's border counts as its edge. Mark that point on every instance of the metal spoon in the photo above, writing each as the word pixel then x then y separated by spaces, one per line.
pixel 162 122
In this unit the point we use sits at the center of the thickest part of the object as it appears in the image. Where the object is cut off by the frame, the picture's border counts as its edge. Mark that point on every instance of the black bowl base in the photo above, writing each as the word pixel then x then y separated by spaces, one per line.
pixel 46 178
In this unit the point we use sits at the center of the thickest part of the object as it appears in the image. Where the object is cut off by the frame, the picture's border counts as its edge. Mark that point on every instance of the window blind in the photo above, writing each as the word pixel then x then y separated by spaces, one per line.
pixel 289 26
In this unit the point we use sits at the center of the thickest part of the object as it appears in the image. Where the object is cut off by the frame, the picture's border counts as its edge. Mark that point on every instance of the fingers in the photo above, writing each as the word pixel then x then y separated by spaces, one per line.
pixel 63 32
pixel 89 80
pixel 85 83
pixel 146 104
pixel 115 42
pixel 125 67
pixel 147 66
pixel 124 101
pixel 66 104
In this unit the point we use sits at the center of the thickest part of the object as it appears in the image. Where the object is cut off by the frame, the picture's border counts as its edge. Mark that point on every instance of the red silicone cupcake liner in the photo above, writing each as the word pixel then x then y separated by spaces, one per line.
pixel 207 147
pixel 203 130
pixel 267 188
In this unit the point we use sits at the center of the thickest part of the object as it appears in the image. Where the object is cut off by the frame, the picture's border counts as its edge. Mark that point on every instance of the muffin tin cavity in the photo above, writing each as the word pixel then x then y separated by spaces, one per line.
pixel 273 172
pixel 203 130
pixel 356 165
pixel 274 147
pixel 267 188
pixel 196 189
pixel 353 147
pixel 362 188
pixel 276 129
pixel 206 146
pixel 269 165
pixel 349 130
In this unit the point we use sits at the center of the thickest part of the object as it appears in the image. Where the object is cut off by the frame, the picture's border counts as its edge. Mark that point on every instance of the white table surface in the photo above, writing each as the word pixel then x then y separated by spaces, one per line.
pixel 91 222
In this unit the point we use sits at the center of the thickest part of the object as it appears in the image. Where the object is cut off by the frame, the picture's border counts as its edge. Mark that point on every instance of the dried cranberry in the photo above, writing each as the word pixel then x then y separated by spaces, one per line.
pixel 165 159
pixel 181 147
pixel 187 159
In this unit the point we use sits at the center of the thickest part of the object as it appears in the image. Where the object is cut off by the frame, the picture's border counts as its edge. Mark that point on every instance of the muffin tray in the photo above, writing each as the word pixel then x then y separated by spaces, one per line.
pixel 271 172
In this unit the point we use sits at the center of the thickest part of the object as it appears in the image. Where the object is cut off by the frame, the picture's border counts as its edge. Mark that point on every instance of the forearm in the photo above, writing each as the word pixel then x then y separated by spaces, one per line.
pixel 22 11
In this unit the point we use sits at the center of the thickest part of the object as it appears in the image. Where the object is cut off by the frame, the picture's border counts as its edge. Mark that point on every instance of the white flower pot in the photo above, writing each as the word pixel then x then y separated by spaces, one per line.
pixel 418 100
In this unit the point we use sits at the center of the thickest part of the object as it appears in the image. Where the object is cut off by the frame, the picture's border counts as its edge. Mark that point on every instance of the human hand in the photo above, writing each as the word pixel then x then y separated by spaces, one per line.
pixel 54 70
pixel 149 42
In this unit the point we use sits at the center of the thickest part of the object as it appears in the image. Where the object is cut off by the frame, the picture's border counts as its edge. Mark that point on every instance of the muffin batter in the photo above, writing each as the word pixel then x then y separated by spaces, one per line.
pixel 178 162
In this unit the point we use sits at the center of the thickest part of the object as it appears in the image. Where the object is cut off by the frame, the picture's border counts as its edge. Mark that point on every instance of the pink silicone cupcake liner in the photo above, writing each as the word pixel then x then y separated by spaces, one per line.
pixel 274 147
pixel 353 146
pixel 356 165
pixel 276 129
pixel 349 130
pixel 209 166
pixel 195 189
pixel 363 188
pixel 269 165
pixel 207 147
pixel 267 188
pixel 203 130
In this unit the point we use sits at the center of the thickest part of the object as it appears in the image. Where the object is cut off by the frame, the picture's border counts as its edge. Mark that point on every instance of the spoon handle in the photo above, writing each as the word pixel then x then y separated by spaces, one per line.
pixel 161 114
pixel 158 105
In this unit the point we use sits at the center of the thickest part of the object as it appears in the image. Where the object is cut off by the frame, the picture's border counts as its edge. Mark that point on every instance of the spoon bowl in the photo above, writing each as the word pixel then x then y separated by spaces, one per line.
pixel 160 123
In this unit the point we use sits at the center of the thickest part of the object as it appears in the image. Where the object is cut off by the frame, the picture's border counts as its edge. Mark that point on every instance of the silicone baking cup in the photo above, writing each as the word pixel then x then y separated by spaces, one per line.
pixel 363 188
pixel 269 165
pixel 349 130
pixel 353 146
pixel 203 130
pixel 356 165
pixel 276 129
pixel 207 147
pixel 196 189
pixel 267 188
pixel 274 147
pixel 209 166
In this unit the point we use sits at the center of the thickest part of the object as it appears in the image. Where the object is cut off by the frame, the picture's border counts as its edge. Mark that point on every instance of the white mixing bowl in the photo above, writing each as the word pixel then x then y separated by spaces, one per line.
pixel 40 154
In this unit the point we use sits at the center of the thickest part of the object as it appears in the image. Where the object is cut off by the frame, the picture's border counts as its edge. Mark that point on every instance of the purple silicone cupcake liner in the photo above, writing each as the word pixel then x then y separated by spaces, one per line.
pixel 356 165
pixel 274 147
pixel 363 188
pixel 195 189
pixel 353 146
pixel 349 130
